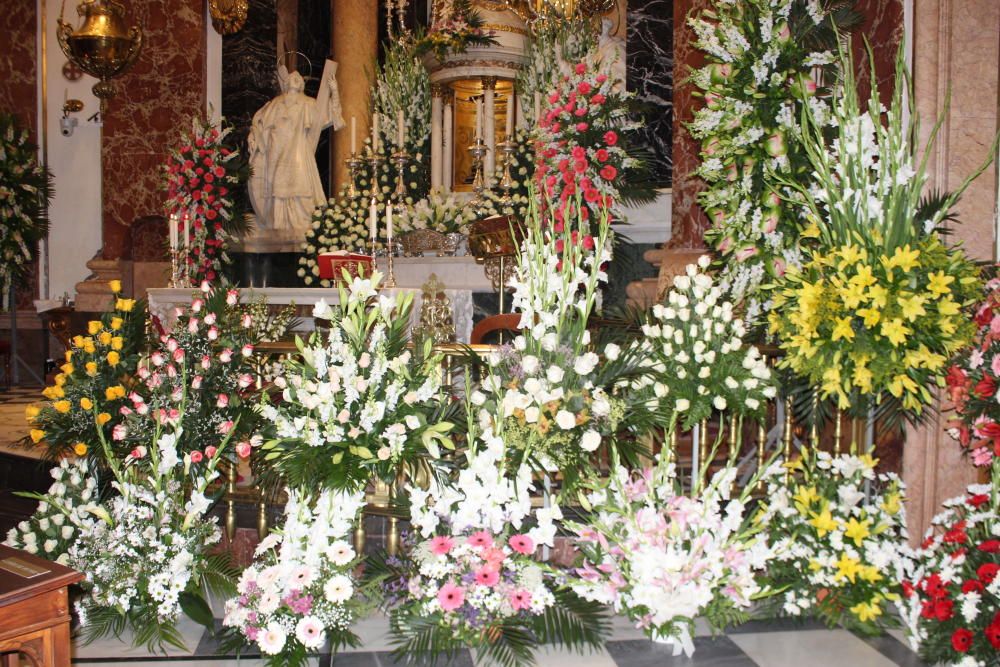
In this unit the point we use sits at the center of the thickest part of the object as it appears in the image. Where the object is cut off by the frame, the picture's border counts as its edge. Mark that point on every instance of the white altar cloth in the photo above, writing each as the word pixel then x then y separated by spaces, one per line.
pixel 164 301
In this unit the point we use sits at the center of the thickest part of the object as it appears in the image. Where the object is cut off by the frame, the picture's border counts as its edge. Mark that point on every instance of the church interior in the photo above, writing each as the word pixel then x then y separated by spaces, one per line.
pixel 500 332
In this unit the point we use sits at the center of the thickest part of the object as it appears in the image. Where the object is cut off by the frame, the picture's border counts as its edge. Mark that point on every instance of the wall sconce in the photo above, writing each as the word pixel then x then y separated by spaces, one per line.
pixel 102 46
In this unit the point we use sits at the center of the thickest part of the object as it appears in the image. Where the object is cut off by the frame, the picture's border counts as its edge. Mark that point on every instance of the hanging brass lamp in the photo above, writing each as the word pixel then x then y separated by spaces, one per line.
pixel 102 46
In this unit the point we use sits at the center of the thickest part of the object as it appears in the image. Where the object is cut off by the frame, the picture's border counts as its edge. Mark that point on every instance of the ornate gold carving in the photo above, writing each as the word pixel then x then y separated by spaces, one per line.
pixel 501 27
pixel 489 82
pixel 500 64
pixel 228 16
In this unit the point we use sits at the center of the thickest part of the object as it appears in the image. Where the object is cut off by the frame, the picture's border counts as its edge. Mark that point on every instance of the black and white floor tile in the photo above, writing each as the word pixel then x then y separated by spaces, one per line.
pixel 756 644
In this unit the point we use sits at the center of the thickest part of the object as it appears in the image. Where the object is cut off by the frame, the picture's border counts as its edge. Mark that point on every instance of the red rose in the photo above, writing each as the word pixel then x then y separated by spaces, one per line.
pixel 580 68
pixel 987 572
pixel 984 316
pixel 598 99
pixel 986 387
pixel 602 155
pixel 608 172
pixel 990 546
pixel 992 631
pixel 961 640
pixel 611 137
pixel 583 88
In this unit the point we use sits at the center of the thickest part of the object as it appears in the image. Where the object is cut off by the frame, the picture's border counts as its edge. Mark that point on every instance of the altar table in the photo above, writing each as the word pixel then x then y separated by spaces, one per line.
pixel 34 609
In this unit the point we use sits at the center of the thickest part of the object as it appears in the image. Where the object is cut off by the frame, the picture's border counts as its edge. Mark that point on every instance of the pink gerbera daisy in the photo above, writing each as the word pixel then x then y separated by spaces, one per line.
pixel 522 544
pixel 451 596
pixel 441 545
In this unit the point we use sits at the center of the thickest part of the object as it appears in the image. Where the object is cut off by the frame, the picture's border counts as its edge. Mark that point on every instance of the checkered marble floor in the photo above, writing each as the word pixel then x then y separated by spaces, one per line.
pixel 756 644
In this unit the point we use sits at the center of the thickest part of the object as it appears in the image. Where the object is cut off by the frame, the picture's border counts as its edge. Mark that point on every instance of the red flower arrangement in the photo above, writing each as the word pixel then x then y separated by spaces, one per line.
pixel 972 383
pixel 202 176
pixel 580 154
pixel 950 602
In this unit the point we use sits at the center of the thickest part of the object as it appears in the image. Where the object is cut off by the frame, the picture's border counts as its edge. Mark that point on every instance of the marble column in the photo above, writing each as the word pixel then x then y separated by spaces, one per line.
pixel 355 48
pixel 958 50
pixel 489 128
pixel 448 142
pixel 437 166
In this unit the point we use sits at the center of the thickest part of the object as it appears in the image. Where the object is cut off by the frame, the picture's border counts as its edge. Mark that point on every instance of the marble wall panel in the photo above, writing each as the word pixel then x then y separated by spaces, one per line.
pixel 156 100
pixel 883 26
pixel 249 62
pixel 314 24
pixel 649 64
pixel 18 70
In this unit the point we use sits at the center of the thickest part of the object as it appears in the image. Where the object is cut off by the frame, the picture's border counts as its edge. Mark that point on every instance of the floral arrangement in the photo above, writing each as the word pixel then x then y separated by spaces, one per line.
pixel 972 384
pixel 553 46
pixel 470 578
pixel 359 402
pixel 207 359
pixel 93 383
pixel 25 192
pixel 299 593
pixel 550 394
pixel 440 212
pixel 949 602
pixel 697 360
pixel 455 26
pixel 145 554
pixel 762 59
pixel 61 512
pixel 836 530
pixel 876 309
pixel 665 558
pixel 202 177
pixel 581 145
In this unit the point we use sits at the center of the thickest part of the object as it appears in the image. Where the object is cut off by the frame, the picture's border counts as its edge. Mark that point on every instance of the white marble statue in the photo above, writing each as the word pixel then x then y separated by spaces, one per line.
pixel 285 186
pixel 611 53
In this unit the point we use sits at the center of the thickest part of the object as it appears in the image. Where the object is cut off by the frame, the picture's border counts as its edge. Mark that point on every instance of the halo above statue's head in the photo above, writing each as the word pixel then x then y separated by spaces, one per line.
pixel 295 80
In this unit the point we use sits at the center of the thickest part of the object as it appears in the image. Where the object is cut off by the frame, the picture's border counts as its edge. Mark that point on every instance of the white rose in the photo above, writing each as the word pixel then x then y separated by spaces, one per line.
pixel 555 374
pixel 719 402
pixel 590 441
pixel 682 404
pixel 67 532
pixel 530 364
pixel 585 363
pixel 412 422
pixel 49 546
pixel 612 351
pixel 565 420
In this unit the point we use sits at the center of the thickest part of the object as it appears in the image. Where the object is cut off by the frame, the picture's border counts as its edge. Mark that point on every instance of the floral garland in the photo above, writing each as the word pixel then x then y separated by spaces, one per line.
pixel 950 597
pixel 300 591
pixel 25 193
pixel 972 384
pixel 202 176
pixel 581 145
pixel 761 57
pixel 838 552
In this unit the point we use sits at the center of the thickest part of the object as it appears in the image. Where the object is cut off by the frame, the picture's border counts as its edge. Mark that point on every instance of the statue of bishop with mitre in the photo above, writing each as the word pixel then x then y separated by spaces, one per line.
pixel 285 186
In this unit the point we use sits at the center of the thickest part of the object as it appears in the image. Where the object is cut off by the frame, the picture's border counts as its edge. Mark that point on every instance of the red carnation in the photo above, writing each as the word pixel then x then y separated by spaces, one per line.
pixel 972 586
pixel 979 499
pixel 608 172
pixel 611 137
pixel 961 640
pixel 992 631
pixel 987 572
pixel 580 166
pixel 598 99
pixel 578 153
pixel 990 546
pixel 591 195
pixel 602 155
pixel 583 88
pixel 580 68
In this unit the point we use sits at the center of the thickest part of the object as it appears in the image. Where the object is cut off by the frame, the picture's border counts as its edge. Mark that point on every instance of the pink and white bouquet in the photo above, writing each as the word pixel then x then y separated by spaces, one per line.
pixel 951 596
pixel 470 575
pixel 202 177
pixel 664 558
pixel 299 593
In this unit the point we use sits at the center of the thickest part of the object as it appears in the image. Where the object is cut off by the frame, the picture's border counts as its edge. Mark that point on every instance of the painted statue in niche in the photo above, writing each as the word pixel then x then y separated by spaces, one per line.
pixel 285 185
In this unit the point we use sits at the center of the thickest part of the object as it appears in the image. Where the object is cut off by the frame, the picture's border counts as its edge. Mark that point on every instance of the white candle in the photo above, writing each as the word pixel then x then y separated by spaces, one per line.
pixel 354 135
pixel 400 129
pixel 510 115
pixel 388 226
pixel 373 222
pixel 479 119
pixel 173 232
pixel 538 106
pixel 375 133
pixel 187 232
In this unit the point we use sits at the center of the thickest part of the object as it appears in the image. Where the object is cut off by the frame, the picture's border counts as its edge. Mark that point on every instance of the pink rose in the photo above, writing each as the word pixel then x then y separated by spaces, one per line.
pixel 178 355
pixel 225 427
pixel 245 381
pixel 582 127
pixel 770 222
pixel 119 432
pixel 210 451
pixel 196 382
pixel 451 597
pixel 196 456
pixel 441 545
pixel 232 297
pixel 205 287
pixel 157 358
pixel 213 333
pixel 226 356
pixel 242 450
pixel 222 400
pixel 247 350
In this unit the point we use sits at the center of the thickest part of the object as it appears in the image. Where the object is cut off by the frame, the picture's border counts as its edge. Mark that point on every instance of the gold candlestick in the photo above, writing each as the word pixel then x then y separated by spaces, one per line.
pixel 478 151
pixel 507 182
pixel 353 165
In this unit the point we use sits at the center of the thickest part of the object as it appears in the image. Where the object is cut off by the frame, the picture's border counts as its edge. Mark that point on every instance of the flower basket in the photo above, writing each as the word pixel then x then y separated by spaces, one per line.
pixel 332 265
pixel 494 237
pixel 421 241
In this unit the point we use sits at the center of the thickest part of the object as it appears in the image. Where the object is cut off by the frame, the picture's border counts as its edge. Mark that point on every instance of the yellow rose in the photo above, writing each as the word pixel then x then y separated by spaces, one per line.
pixel 88 345
pixel 86 403
pixel 105 338
pixel 116 323
pixel 91 368
pixel 116 286
pixel 111 393
pixel 103 418
pixel 62 406
pixel 80 449
pixel 78 341
pixel 37 435
pixel 60 379
pixel 93 326
pixel 69 355
pixel 31 412
pixel 125 305
pixel 117 342
pixel 113 358
pixel 53 392
pixel 67 369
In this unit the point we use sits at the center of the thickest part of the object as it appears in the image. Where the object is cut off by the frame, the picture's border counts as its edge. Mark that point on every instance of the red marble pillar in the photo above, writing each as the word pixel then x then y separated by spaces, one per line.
pixel 883 28
pixel 689 222
pixel 18 69
pixel 156 100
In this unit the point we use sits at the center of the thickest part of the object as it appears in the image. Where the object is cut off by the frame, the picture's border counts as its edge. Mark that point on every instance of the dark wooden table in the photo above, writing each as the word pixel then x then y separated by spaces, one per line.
pixel 34 610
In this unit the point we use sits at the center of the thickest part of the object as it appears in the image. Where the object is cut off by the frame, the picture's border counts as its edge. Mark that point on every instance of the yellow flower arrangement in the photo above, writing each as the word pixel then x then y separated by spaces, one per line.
pixel 858 324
